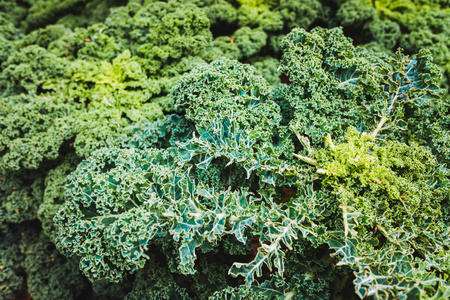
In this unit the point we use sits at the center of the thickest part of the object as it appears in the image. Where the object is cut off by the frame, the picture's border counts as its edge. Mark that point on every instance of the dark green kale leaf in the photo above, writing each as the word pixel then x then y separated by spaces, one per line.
pixel 53 196
pixel 299 14
pixel 31 264
pixel 20 196
pixel 31 68
pixel 227 88
pixel 137 198
pixel 8 35
pixel 335 85
pixel 33 129
pixel 156 282
pixel 411 24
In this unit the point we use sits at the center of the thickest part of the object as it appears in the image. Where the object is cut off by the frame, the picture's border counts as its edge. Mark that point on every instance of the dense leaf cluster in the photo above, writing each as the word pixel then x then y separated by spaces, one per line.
pixel 215 149
pixel 123 202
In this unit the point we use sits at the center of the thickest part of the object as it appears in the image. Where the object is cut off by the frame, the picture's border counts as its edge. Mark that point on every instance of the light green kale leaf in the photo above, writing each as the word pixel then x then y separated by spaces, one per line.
pixel 391 233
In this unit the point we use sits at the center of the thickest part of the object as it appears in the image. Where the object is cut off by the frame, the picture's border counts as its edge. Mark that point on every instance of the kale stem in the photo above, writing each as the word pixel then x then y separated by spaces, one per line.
pixel 306 159
pixel 384 119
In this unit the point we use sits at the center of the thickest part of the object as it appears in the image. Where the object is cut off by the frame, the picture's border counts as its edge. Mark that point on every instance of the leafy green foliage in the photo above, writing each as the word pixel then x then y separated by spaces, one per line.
pixel 33 130
pixel 154 286
pixel 25 252
pixel 190 176
pixel 411 24
pixel 75 13
pixel 113 70
pixel 299 14
pixel 223 88
pixel 111 203
pixel 53 194
pixel 351 86
pixel 10 282
pixel 234 176
pixel 7 37
pixel 45 11
pixel 390 210
pixel 20 194
pixel 29 68
pixel 41 256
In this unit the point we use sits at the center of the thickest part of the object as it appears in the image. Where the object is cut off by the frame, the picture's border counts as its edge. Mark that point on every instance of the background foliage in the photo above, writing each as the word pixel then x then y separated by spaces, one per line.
pixel 222 149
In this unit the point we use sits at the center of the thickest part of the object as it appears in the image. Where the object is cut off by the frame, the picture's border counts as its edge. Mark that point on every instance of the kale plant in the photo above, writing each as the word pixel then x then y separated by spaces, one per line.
pixel 326 164
pixel 327 177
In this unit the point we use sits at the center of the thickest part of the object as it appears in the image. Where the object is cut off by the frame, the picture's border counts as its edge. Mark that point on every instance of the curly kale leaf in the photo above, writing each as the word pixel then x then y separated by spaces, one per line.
pixel 20 195
pixel 120 70
pixel 143 51
pixel 273 289
pixel 43 12
pixel 10 261
pixel 410 24
pixel 226 88
pixel 118 97
pixel 234 118
pixel 9 34
pixel 30 68
pixel 10 282
pixel 267 66
pixel 355 13
pixel 87 44
pixel 117 219
pixel 335 85
pixel 125 215
pixel 418 18
pixel 33 129
pixel 119 211
pixel 259 14
pixel 53 196
pixel 238 174
pixel 27 255
pixel 160 32
pixel 65 280
pixel 390 198
pixel 299 14
pixel 389 183
pixel 156 282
